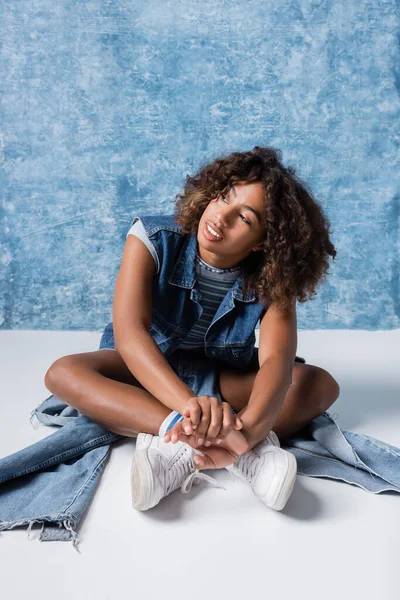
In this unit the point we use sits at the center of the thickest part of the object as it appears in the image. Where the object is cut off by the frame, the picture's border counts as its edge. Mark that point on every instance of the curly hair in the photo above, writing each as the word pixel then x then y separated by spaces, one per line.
pixel 295 248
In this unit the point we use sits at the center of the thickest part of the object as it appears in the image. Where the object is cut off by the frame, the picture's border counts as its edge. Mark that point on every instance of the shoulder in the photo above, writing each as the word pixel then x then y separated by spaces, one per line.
pixel 273 311
pixel 156 223
pixel 164 235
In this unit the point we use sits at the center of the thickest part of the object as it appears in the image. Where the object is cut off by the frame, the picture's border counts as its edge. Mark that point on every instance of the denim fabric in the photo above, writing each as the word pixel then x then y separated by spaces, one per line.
pixel 53 481
pixel 322 449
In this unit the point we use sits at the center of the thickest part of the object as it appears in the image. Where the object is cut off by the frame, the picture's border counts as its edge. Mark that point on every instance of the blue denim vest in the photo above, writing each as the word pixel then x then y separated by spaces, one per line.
pixel 176 300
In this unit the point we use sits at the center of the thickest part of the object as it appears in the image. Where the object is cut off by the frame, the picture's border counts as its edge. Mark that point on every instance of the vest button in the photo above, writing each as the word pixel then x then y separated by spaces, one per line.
pixel 213 352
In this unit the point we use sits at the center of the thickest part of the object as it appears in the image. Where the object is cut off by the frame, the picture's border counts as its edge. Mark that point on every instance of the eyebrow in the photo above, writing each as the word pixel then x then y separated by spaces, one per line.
pixel 253 210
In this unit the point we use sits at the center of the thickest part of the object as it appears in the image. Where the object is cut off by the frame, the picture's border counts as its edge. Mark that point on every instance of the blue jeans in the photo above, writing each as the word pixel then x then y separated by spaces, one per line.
pixel 53 481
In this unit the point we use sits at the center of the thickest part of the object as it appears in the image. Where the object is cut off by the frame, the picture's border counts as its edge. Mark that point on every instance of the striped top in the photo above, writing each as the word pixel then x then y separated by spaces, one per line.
pixel 213 284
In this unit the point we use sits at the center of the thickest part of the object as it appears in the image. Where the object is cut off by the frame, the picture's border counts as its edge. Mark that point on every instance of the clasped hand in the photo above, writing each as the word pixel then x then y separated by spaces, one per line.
pixel 206 426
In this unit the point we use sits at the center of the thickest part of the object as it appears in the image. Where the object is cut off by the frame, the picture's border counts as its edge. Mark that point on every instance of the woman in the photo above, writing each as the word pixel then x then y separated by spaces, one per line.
pixel 246 241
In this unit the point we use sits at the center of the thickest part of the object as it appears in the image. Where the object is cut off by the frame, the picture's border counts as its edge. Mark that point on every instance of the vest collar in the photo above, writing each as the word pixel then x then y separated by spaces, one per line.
pixel 184 272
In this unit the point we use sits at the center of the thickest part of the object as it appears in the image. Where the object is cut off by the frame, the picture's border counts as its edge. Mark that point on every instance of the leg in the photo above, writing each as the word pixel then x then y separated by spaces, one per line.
pixel 313 391
pixel 100 386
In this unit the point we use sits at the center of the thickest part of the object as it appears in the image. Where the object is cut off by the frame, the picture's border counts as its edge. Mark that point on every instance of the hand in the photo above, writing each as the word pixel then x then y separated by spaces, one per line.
pixel 215 456
pixel 212 420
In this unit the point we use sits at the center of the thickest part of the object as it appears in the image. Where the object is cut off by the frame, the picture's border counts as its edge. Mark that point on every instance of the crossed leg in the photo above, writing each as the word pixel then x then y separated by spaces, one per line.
pixel 313 390
pixel 101 386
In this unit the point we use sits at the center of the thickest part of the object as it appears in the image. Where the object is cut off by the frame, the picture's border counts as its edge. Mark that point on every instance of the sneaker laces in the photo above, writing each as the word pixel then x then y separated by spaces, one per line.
pixel 195 478
pixel 183 470
pixel 247 465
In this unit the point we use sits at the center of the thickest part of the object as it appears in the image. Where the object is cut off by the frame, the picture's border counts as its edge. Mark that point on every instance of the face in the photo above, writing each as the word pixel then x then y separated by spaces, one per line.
pixel 237 216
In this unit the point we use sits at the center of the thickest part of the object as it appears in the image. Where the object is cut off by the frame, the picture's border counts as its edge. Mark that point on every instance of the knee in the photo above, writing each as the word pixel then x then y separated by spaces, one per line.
pixel 329 388
pixel 58 372
pixel 320 388
pixel 333 385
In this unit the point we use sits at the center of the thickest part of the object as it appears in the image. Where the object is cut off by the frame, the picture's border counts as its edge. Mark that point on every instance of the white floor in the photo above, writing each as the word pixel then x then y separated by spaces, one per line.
pixel 332 540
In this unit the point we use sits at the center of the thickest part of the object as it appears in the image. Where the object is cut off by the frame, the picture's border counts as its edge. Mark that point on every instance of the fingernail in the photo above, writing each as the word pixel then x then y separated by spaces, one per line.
pixel 187 428
pixel 208 443
pixel 200 441
pixel 219 441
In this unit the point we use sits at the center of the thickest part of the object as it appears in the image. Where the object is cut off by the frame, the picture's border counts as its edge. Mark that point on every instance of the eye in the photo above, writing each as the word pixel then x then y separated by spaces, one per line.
pixel 243 217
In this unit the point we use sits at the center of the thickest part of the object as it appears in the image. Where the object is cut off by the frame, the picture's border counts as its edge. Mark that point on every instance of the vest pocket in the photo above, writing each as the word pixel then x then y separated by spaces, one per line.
pixel 244 354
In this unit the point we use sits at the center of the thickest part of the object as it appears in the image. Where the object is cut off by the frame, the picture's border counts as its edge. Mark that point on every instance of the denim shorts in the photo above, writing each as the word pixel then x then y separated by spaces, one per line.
pixel 199 373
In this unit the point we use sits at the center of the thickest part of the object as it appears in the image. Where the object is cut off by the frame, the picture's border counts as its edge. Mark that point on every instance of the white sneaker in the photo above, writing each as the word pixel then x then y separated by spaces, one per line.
pixel 159 468
pixel 269 469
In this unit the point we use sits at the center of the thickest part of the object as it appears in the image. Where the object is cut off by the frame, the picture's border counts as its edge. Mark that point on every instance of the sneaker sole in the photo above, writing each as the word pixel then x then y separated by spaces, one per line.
pixel 284 492
pixel 142 482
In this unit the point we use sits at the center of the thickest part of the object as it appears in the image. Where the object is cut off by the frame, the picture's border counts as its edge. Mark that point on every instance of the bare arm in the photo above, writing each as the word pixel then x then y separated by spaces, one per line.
pixel 276 354
pixel 131 322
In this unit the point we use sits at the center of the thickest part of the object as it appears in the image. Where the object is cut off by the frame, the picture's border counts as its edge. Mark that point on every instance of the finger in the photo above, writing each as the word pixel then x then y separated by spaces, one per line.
pixel 216 420
pixel 173 434
pixel 204 462
pixel 186 413
pixel 199 461
pixel 238 423
pixel 178 431
pixel 205 419
pixel 187 425
pixel 227 422
pixel 214 458
pixel 195 411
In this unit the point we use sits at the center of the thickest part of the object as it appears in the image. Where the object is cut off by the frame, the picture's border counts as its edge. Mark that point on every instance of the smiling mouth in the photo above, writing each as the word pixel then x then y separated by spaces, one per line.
pixel 211 232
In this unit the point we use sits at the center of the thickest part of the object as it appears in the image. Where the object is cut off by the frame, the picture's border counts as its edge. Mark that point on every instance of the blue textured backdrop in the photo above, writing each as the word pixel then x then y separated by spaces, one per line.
pixel 106 106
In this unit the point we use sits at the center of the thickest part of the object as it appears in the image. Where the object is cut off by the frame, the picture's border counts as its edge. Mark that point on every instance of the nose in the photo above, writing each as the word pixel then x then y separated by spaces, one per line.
pixel 219 221
pixel 222 217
